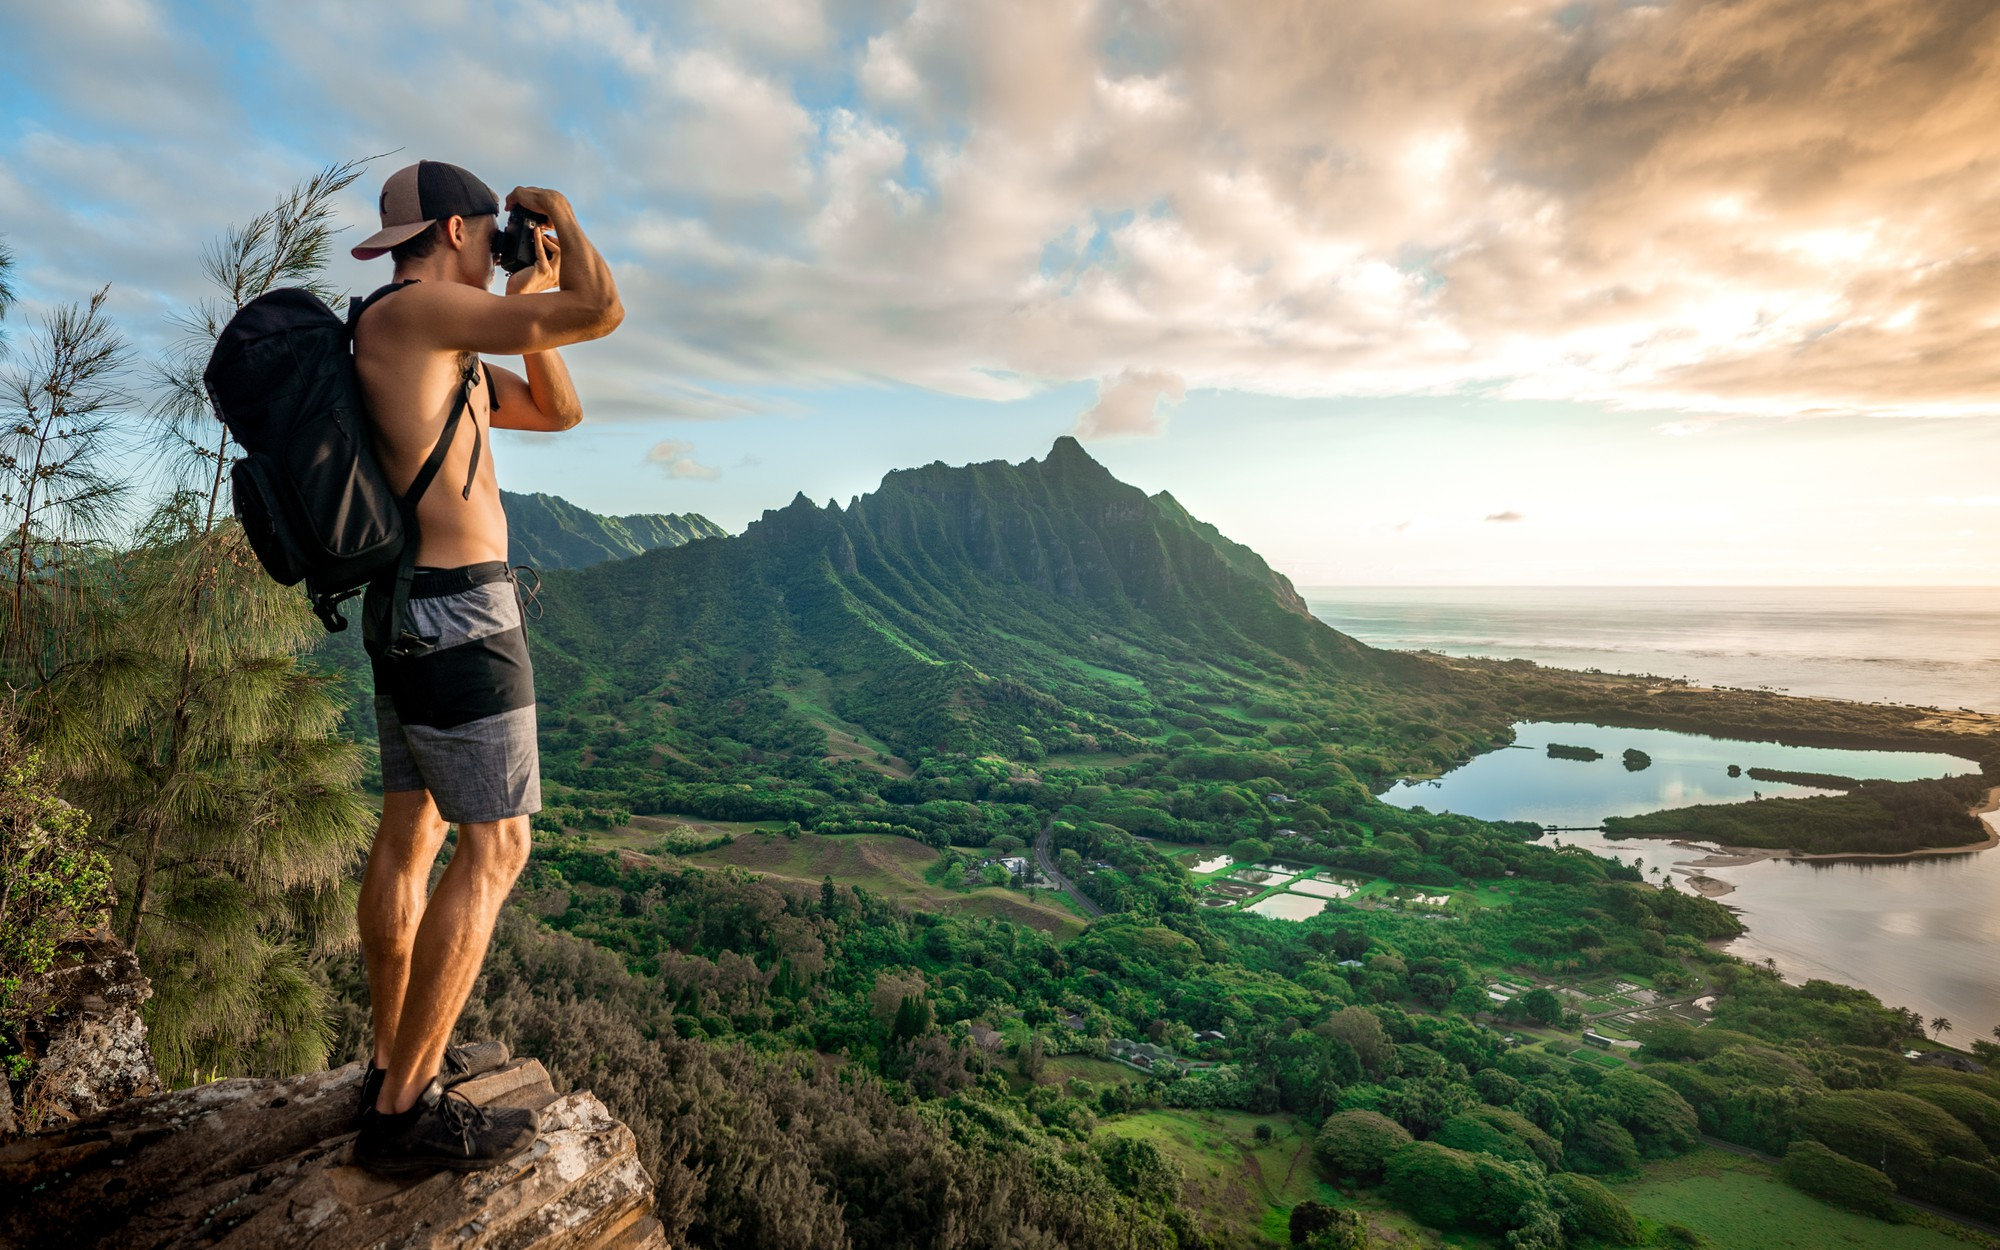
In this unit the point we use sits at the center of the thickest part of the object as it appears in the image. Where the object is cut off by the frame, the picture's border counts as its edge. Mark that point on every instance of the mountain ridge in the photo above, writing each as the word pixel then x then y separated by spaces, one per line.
pixel 1013 609
pixel 550 532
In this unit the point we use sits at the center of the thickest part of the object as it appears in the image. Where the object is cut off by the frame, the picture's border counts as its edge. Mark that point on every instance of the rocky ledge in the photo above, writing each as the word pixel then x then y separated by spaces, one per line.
pixel 244 1164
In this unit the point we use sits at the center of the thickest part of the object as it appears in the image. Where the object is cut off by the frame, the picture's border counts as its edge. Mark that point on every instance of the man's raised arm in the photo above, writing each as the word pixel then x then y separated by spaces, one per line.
pixel 584 306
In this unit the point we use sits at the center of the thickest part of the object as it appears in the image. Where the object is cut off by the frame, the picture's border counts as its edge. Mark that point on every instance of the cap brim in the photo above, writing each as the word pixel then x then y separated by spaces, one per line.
pixel 384 239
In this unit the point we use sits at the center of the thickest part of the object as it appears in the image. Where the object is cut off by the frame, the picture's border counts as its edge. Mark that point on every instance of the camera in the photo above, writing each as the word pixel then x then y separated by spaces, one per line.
pixel 514 247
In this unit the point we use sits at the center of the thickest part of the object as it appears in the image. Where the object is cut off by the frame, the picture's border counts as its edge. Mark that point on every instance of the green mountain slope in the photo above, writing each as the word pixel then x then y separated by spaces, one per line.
pixel 1013 610
pixel 552 533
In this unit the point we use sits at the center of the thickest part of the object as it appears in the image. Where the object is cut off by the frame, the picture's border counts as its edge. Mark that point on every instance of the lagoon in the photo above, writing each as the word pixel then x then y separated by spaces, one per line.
pixel 1917 932
pixel 1522 782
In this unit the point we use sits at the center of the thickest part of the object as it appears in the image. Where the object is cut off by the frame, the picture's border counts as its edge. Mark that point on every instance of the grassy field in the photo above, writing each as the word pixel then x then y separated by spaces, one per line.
pixel 1242 1185
pixel 1246 1189
pixel 1063 1068
pixel 889 866
pixel 1738 1204
pixel 648 833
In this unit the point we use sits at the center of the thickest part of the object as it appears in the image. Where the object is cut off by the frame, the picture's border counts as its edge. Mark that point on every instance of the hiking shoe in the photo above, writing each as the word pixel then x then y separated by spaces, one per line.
pixel 444 1131
pixel 460 1062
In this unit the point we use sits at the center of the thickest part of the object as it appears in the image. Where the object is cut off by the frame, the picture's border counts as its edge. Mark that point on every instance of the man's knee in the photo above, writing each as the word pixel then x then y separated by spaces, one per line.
pixel 409 834
pixel 497 849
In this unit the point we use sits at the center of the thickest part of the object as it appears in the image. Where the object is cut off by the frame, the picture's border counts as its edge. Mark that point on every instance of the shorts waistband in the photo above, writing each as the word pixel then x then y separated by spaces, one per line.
pixel 432 583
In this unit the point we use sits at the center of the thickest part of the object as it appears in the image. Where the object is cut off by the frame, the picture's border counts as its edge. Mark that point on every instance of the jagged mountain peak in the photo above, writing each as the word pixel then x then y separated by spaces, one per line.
pixel 930 607
pixel 550 532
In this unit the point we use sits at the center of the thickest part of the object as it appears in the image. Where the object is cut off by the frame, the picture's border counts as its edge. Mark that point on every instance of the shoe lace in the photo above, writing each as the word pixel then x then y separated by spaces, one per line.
pixel 464 1116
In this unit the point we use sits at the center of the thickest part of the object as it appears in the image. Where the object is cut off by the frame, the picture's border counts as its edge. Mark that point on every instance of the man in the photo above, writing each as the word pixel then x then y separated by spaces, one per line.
pixel 454 690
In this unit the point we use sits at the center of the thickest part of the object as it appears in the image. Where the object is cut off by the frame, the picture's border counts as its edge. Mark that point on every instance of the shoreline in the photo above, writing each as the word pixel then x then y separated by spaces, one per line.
pixel 1719 856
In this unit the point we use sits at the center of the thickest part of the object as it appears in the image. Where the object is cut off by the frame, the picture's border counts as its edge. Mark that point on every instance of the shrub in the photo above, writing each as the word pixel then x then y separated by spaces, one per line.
pixel 1601 1148
pixel 1969 1107
pixel 1499 1132
pixel 1359 1144
pixel 1588 1209
pixel 51 886
pixel 1811 1168
pixel 1449 1188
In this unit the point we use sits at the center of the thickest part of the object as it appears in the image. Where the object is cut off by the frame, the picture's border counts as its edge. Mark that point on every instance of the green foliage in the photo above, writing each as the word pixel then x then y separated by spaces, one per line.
pixel 1249 850
pixel 1563 751
pixel 1601 1147
pixel 550 533
pixel 1359 1144
pixel 1317 1226
pixel 1449 1188
pixel 1537 1004
pixel 1588 1209
pixel 1225 1085
pixel 1977 1111
pixel 1878 817
pixel 58 493
pixel 1830 1177
pixel 1140 1168
pixel 1500 1132
pixel 51 885
pixel 184 724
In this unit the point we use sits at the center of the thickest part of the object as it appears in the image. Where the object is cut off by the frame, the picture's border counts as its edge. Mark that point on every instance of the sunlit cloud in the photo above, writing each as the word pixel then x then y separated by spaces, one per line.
pixel 1773 207
pixel 677 458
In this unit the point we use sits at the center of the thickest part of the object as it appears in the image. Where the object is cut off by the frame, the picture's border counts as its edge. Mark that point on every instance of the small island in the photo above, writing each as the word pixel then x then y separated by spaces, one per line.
pixel 1560 751
pixel 1637 761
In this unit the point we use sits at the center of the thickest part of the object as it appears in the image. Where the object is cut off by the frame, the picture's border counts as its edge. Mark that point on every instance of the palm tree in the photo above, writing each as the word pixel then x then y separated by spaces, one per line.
pixel 1940 1026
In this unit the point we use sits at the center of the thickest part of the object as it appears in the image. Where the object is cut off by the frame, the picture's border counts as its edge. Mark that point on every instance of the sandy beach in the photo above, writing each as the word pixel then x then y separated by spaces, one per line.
pixel 1736 856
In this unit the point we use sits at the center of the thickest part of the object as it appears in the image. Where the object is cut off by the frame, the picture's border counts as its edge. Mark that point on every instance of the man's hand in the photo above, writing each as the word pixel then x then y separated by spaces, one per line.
pixel 550 204
pixel 546 272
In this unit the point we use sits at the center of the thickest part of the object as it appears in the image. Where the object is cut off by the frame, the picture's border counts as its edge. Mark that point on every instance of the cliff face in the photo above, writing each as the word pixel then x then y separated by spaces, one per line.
pixel 263 1163
pixel 256 1164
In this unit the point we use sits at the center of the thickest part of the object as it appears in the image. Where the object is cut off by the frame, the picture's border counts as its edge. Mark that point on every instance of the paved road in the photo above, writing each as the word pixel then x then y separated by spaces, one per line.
pixel 1047 864
pixel 1965 1221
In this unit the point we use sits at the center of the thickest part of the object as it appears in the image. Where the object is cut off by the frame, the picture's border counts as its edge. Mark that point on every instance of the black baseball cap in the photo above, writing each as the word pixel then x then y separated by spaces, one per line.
pixel 417 195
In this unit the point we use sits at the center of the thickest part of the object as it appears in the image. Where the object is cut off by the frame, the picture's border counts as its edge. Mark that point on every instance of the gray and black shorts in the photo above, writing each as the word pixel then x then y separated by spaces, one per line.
pixel 457 718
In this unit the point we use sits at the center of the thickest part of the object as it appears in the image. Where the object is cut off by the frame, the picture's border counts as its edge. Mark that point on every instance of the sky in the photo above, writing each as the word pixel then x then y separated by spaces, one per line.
pixel 1417 292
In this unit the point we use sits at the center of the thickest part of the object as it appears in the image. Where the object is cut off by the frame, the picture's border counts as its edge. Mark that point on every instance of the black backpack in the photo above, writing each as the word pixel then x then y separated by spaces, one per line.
pixel 312 498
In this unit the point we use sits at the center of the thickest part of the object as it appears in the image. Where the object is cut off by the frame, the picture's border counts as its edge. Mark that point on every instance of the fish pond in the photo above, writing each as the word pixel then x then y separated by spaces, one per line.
pixel 1916 932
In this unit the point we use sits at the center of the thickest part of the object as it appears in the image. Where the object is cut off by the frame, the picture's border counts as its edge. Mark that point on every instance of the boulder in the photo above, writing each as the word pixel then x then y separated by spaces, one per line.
pixel 88 1044
pixel 242 1164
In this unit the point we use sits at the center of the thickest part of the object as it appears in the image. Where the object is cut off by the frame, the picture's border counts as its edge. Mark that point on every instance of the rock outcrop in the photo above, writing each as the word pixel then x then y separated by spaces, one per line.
pixel 89 1044
pixel 264 1163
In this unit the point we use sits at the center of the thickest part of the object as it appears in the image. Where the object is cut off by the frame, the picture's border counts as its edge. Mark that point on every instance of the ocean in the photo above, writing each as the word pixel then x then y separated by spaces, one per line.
pixel 1928 646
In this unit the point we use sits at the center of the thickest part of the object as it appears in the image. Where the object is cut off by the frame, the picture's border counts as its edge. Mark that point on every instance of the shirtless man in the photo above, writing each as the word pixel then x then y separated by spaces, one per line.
pixel 456 702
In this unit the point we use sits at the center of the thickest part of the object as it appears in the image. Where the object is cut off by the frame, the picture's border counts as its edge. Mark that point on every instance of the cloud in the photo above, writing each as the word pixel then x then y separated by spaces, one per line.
pixel 1509 515
pixel 1129 403
pixel 677 458
pixel 1772 206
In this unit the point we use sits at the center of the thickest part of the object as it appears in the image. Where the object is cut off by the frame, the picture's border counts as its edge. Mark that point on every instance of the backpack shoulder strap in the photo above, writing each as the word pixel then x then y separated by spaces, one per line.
pixel 407 642
pixel 355 307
